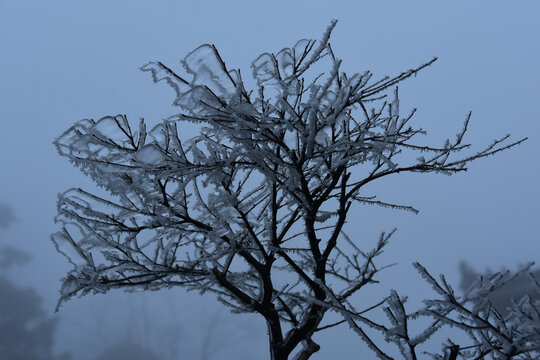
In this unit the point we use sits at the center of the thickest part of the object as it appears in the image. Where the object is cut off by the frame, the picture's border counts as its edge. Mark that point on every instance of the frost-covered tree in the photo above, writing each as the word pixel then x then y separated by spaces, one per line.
pixel 254 207
pixel 513 334
pixel 501 298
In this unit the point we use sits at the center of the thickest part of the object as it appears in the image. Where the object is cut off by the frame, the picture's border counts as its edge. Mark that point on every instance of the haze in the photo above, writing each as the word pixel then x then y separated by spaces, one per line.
pixel 62 61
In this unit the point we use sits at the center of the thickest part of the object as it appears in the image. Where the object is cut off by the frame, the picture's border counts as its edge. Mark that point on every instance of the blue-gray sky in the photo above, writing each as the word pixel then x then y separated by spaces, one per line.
pixel 61 61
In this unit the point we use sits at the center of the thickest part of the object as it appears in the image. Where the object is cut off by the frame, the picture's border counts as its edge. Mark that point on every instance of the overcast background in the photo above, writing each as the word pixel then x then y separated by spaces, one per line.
pixel 61 61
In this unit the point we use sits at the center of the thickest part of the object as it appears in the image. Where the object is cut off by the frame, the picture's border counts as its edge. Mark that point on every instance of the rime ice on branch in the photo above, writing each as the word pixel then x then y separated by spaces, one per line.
pixel 253 208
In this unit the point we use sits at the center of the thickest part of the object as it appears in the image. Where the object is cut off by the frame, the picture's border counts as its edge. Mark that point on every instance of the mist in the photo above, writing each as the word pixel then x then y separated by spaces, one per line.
pixel 63 61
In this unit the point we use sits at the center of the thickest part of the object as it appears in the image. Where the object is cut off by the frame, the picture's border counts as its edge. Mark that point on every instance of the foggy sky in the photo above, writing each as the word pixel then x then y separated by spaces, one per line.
pixel 62 61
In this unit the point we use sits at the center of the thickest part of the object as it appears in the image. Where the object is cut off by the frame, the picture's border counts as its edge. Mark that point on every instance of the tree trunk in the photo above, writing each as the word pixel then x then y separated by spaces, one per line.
pixel 310 349
pixel 281 349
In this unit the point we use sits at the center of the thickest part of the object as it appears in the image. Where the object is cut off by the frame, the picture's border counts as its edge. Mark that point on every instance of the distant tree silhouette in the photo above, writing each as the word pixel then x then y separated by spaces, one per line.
pixel 126 350
pixel 7 216
pixel 26 333
pixel 203 337
pixel 10 256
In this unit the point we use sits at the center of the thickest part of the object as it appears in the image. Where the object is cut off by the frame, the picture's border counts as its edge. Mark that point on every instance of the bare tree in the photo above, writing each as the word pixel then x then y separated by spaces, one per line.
pixel 252 209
